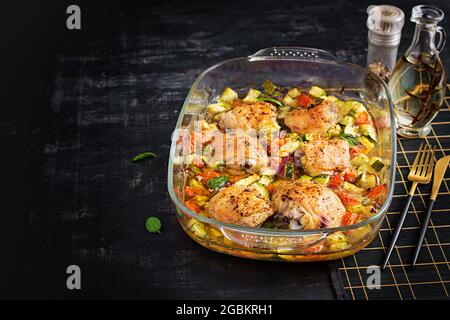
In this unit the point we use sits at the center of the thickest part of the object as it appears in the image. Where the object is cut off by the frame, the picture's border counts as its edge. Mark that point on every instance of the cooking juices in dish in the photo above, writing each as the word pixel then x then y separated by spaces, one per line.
pixel 291 158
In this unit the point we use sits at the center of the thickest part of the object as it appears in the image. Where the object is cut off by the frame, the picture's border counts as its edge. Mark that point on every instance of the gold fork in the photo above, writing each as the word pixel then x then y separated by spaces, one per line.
pixel 420 172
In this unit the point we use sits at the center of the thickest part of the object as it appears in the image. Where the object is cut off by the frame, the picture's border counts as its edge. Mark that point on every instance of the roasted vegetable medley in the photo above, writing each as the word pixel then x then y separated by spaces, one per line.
pixel 285 158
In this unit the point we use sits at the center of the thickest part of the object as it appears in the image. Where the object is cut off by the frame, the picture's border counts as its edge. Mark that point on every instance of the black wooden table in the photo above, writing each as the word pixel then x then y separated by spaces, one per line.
pixel 82 103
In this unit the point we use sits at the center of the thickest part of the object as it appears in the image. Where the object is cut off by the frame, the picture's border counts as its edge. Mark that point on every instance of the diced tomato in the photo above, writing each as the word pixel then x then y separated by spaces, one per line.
pixel 271 188
pixel 275 145
pixel 192 191
pixel 193 205
pixel 208 175
pixel 336 182
pixel 347 199
pixel 304 101
pixel 377 192
pixel 349 218
pixel 362 118
pixel 355 150
pixel 202 139
pixel 351 176
pixel 315 249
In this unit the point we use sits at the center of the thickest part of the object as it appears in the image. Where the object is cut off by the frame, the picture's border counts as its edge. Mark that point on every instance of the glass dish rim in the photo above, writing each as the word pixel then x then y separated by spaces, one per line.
pixel 283 232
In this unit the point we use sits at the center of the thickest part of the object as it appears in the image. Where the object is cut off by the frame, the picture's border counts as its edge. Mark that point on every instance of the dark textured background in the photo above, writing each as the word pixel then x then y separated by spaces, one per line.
pixel 77 105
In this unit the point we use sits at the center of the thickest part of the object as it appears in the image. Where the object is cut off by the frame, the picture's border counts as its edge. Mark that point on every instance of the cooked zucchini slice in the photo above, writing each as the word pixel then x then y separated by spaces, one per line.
pixel 197 227
pixel 201 200
pixel 228 96
pixel 305 177
pixel 266 180
pixel 347 121
pixel 377 165
pixel 368 180
pixel 366 143
pixel 337 241
pixel 252 95
pixel 351 130
pixel 317 92
pixel 288 101
pixel 357 108
pixel 335 131
pixel 330 98
pixel 294 93
pixel 269 87
pixel 365 167
pixel 359 160
pixel 368 130
pixel 356 208
pixel 283 112
pixel 214 108
pixel 248 181
pixel 289 147
pixel 195 184
pixel 322 179
pixel 292 136
pixel 352 188
pixel 344 107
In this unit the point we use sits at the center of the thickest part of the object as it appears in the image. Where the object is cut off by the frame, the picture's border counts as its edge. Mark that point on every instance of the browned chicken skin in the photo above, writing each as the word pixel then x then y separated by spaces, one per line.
pixel 239 151
pixel 311 204
pixel 317 119
pixel 244 205
pixel 325 156
pixel 256 115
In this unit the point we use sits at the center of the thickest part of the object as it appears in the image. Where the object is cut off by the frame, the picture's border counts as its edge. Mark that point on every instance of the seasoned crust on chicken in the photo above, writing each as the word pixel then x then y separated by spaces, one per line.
pixel 256 115
pixel 244 205
pixel 325 156
pixel 312 204
pixel 317 119
pixel 239 151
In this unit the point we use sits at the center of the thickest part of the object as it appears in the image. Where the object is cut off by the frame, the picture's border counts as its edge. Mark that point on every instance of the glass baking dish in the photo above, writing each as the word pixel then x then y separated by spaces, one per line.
pixel 285 66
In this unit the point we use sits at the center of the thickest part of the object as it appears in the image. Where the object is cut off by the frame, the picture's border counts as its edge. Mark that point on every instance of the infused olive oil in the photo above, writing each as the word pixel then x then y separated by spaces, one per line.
pixel 418 81
pixel 417 87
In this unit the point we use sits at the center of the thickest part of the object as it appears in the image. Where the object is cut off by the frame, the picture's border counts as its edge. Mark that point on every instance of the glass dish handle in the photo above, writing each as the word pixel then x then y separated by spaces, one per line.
pixel 293 53
pixel 442 37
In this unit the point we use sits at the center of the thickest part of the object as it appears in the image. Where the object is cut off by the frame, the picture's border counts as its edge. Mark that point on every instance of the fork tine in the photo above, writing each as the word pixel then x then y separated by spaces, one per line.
pixel 431 164
pixel 422 158
pixel 416 160
pixel 422 169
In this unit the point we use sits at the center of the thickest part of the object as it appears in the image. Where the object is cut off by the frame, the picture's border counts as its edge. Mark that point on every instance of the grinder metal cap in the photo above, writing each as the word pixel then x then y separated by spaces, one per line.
pixel 385 25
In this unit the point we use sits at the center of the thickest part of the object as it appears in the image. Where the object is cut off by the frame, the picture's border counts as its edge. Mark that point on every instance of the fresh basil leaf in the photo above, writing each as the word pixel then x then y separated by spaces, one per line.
pixel 143 156
pixel 350 139
pixel 271 100
pixel 217 182
pixel 153 225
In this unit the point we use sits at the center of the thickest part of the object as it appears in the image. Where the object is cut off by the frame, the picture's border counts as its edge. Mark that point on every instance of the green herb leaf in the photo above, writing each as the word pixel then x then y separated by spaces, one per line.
pixel 143 156
pixel 350 139
pixel 217 182
pixel 271 100
pixel 153 225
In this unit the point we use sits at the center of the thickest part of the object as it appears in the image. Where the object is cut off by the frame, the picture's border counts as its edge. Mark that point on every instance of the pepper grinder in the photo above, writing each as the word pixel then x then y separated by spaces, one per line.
pixel 384 23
